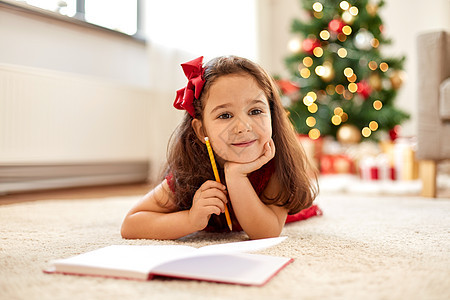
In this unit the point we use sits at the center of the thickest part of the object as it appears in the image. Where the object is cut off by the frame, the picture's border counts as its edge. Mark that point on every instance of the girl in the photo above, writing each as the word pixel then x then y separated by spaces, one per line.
pixel 234 103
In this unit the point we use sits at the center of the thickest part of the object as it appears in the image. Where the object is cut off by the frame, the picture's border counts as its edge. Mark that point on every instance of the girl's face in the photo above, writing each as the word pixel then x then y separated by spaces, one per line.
pixel 236 118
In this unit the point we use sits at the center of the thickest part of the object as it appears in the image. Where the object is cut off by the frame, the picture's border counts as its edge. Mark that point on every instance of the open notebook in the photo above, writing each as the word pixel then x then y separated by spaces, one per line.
pixel 226 263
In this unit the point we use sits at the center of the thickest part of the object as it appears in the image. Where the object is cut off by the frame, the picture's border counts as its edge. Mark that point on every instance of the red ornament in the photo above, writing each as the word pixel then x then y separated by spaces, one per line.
pixel 364 89
pixel 309 45
pixel 336 25
pixel 394 133
pixel 287 87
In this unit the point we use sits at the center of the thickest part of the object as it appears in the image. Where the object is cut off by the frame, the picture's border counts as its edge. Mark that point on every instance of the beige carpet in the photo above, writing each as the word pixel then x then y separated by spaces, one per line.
pixel 361 248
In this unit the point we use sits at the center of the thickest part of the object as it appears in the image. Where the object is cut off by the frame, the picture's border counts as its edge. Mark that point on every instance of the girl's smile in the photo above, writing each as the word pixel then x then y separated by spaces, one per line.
pixel 236 119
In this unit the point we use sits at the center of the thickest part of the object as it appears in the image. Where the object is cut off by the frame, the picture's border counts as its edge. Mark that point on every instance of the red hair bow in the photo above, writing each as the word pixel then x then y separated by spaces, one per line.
pixel 185 97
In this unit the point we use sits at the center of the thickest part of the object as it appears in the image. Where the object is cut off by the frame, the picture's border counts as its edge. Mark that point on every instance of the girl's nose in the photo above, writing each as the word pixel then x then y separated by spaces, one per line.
pixel 242 126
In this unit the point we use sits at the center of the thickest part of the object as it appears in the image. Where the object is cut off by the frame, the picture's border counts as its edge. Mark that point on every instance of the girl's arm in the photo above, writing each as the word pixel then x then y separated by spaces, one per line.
pixel 256 219
pixel 156 216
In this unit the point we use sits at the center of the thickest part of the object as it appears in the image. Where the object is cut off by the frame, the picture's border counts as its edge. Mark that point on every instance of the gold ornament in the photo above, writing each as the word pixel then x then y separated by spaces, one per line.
pixel 348 134
pixel 397 78
pixel 375 81
pixel 372 9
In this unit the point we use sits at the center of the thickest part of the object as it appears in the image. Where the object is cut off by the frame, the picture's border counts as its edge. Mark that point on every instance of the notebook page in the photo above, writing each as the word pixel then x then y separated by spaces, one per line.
pixel 244 246
pixel 238 268
pixel 121 260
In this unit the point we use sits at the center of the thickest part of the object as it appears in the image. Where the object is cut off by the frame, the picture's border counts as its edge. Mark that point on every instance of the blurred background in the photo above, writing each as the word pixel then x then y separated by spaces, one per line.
pixel 86 87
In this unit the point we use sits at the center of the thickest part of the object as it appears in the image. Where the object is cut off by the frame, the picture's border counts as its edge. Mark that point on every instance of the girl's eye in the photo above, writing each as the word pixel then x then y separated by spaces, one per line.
pixel 255 112
pixel 225 116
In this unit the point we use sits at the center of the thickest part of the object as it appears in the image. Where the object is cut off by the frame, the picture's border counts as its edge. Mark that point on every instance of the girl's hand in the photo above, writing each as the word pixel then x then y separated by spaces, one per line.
pixel 209 199
pixel 246 168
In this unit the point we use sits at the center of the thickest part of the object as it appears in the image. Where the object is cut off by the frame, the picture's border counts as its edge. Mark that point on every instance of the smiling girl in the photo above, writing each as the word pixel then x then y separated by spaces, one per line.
pixel 264 171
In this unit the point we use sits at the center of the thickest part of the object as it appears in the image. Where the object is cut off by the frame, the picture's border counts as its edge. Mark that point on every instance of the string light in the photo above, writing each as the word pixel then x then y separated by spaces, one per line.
pixel 347 30
pixel 352 78
pixel 348 95
pixel 317 6
pixel 324 35
pixel 347 17
pixel 314 134
pixel 312 95
pixel 320 70
pixel 344 5
pixel 310 121
pixel 307 100
pixel 353 11
pixel 318 52
pixel 308 61
pixel 377 104
pixel 366 132
pixel 313 108
pixel 352 87
pixel 373 125
pixel 305 73
pixel 384 66
pixel 341 37
pixel 342 52
pixel 336 120
pixel 344 117
pixel 318 15
pixel 340 89
pixel 330 89
pixel 373 65
pixel 348 72
pixel 338 111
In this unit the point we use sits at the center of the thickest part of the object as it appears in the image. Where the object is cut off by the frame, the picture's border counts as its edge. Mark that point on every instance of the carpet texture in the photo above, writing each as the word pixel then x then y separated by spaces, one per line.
pixel 361 248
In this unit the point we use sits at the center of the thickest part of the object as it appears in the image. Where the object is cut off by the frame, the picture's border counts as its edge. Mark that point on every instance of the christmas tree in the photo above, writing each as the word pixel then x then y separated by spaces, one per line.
pixel 341 84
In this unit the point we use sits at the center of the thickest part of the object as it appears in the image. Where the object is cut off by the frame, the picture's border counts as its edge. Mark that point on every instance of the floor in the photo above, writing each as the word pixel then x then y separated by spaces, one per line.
pixel 79 193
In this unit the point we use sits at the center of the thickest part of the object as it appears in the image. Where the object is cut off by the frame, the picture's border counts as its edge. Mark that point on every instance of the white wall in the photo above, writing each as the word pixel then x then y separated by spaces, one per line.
pixel 403 21
pixel 37 41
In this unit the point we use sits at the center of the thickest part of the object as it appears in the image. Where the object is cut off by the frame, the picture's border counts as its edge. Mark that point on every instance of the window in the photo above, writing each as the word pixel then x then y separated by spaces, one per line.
pixel 117 15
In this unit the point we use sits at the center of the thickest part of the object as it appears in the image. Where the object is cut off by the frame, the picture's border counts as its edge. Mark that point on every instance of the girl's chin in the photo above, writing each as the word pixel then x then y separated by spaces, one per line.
pixel 241 158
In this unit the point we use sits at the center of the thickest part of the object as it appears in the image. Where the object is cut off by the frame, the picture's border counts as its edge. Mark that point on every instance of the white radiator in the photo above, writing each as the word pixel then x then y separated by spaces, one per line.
pixel 59 129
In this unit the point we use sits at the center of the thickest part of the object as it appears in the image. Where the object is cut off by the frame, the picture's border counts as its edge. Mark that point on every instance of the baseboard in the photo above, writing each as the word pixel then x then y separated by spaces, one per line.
pixel 21 178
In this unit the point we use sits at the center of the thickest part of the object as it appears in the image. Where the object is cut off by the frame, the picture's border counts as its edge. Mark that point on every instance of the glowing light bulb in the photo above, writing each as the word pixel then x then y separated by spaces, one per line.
pixel 366 132
pixel 377 104
pixel 347 30
pixel 308 100
pixel 348 72
pixel 307 61
pixel 324 35
pixel 373 65
pixel 384 66
pixel 344 5
pixel 353 11
pixel 317 6
pixel 314 134
pixel 320 70
pixel 373 125
pixel 352 87
pixel 313 108
pixel 336 120
pixel 338 111
pixel 305 73
pixel 342 52
pixel 312 95
pixel 310 121
pixel 318 52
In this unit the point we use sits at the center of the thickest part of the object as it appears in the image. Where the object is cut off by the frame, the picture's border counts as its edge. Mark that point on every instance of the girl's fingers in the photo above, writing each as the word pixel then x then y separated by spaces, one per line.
pixel 212 184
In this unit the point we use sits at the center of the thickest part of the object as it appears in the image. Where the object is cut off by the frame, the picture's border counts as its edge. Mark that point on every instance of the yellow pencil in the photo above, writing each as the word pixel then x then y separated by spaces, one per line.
pixel 216 175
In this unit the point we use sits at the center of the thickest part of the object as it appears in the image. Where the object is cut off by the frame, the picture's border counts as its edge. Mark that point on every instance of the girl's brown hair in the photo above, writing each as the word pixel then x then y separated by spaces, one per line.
pixel 188 160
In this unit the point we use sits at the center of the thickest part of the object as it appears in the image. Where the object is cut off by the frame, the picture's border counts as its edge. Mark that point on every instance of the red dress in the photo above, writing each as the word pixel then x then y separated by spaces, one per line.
pixel 259 180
